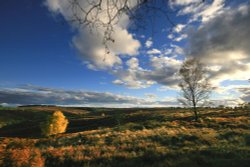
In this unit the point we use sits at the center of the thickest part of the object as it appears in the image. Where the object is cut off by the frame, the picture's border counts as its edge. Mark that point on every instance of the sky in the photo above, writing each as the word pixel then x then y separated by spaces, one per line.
pixel 47 59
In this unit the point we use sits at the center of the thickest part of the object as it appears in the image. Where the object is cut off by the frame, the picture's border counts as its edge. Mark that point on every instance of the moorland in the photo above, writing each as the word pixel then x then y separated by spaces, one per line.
pixel 126 137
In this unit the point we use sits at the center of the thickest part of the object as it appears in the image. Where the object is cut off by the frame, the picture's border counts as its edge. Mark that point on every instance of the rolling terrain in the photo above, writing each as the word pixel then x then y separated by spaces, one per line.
pixel 126 137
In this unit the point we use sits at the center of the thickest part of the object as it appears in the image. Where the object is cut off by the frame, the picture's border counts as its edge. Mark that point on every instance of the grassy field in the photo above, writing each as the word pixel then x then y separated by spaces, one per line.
pixel 126 137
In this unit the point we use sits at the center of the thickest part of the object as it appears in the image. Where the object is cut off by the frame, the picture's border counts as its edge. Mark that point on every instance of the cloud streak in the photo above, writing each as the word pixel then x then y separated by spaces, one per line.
pixel 35 95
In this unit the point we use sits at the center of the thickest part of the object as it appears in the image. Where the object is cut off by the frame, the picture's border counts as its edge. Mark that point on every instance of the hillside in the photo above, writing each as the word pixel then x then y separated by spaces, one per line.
pixel 126 137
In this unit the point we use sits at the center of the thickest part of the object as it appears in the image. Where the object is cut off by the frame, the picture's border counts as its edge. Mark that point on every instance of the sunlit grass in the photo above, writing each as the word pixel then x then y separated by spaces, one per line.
pixel 157 139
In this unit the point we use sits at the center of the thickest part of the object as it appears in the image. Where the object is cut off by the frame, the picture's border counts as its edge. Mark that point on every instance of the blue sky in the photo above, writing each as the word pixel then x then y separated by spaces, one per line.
pixel 41 49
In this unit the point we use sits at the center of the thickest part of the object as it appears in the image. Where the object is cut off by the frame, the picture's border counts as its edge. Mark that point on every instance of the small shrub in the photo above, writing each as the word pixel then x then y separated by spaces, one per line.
pixel 23 157
pixel 228 134
pixel 162 139
pixel 151 124
pixel 55 124
pixel 20 144
pixel 119 118
pixel 108 140
pixel 247 139
pixel 133 126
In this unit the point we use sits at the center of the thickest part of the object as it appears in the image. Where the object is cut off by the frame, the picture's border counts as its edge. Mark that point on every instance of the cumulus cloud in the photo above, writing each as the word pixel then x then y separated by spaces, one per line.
pixel 35 95
pixel 133 63
pixel 163 70
pixel 93 52
pixel 223 42
pixel 90 45
pixel 130 77
pixel 203 11
pixel 91 49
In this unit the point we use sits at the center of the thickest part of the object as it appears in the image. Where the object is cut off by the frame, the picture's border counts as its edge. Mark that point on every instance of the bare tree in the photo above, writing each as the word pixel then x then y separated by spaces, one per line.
pixel 105 14
pixel 194 85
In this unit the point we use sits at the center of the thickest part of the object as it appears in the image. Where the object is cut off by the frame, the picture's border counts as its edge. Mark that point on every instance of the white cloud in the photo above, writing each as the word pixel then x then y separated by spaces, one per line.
pixel 168 51
pixel 180 38
pixel 179 27
pixel 130 77
pixel 223 46
pixel 117 82
pixel 149 43
pixel 203 11
pixel 90 45
pixel 165 62
pixel 171 36
pixel 212 10
pixel 177 50
pixel 133 63
pixel 183 2
pixel 163 71
pixel 154 51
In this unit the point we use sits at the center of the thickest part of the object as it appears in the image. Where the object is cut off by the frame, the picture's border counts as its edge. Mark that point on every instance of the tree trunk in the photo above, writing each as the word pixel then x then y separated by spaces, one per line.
pixel 194 107
pixel 195 113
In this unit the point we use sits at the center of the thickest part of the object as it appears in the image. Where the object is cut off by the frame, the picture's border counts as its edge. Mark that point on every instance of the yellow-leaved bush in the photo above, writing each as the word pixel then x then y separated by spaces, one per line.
pixel 56 123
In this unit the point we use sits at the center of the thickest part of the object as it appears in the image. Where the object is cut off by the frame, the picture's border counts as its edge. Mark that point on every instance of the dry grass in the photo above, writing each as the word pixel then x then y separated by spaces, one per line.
pixel 157 139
